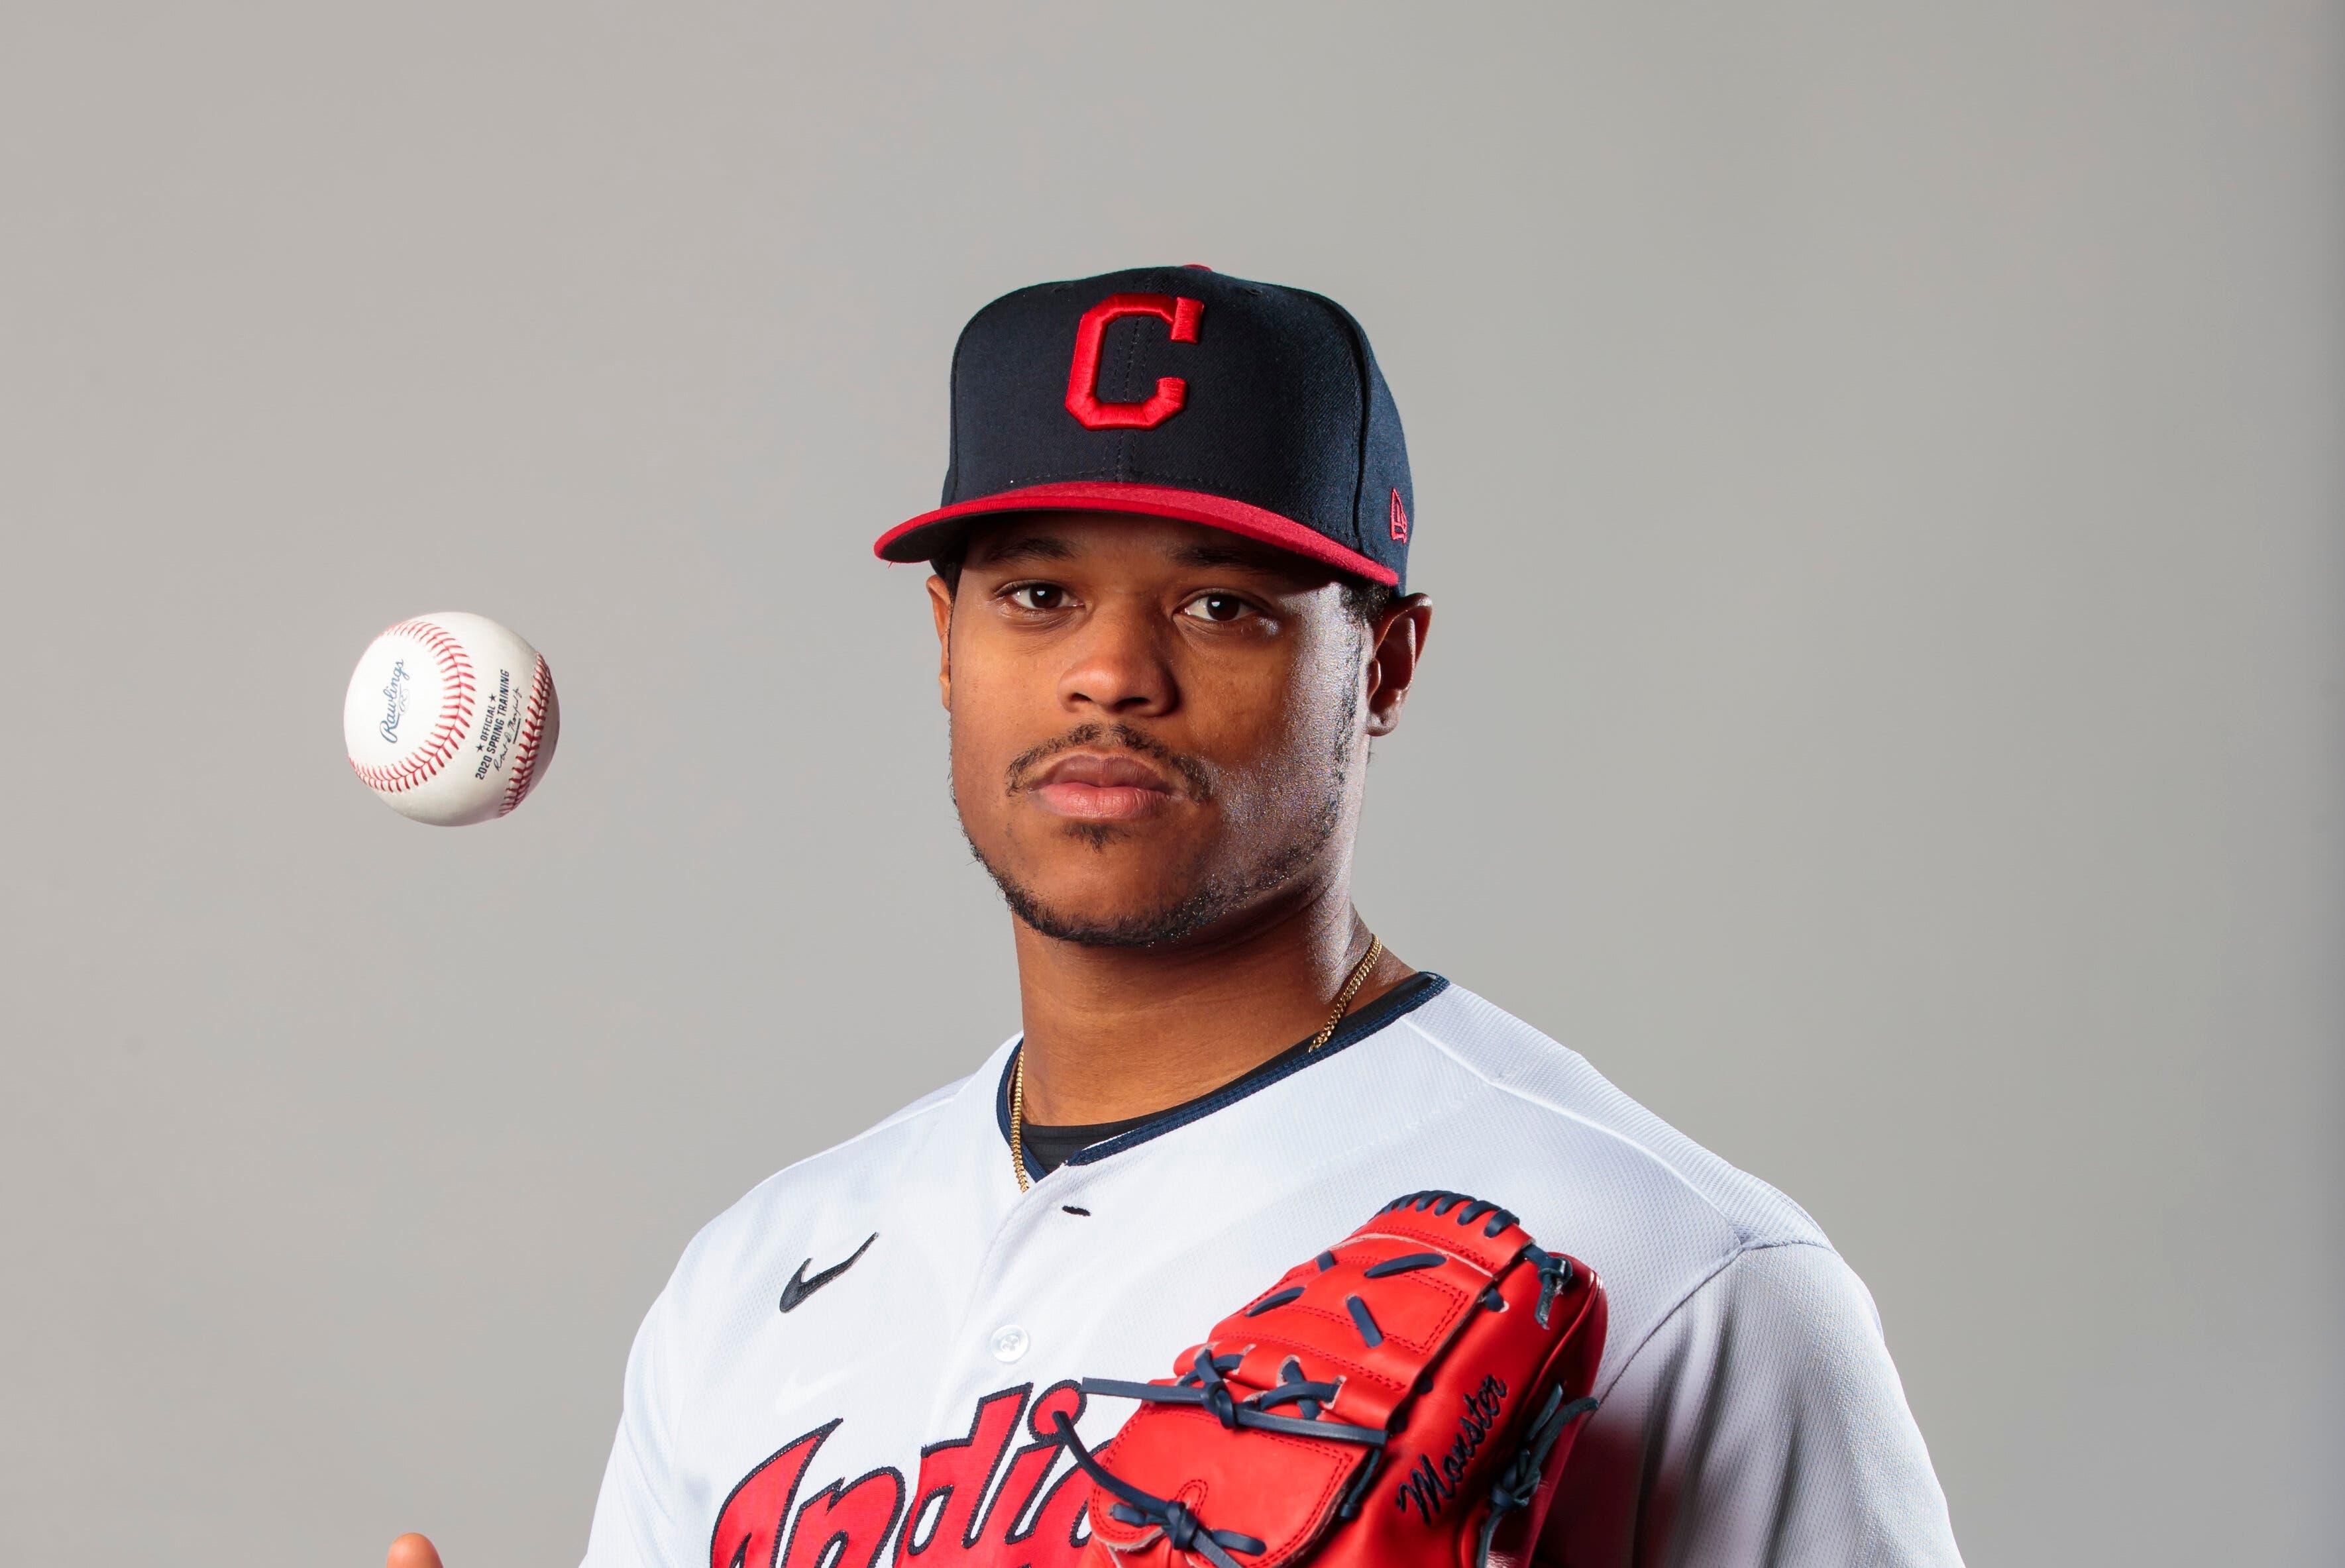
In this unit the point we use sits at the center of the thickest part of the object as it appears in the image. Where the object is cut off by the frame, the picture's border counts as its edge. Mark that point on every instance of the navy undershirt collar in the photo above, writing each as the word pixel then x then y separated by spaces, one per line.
pixel 1096 1142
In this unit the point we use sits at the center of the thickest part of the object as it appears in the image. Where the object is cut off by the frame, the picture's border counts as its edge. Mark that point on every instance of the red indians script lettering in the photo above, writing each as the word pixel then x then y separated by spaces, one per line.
pixel 977 1501
pixel 1182 316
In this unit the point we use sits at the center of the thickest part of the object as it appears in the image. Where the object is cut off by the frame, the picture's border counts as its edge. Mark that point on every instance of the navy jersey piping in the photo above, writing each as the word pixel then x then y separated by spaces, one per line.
pixel 1401 1000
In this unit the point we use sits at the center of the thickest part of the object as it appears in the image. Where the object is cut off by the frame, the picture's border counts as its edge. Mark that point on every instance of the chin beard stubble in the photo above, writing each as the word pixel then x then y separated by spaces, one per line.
pixel 1212 899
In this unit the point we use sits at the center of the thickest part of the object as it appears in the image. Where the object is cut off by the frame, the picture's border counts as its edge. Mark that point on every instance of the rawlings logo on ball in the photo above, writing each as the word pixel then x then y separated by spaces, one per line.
pixel 394 700
pixel 476 690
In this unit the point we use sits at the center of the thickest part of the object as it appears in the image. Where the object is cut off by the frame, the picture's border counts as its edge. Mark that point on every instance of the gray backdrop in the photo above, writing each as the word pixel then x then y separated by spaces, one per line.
pixel 1881 485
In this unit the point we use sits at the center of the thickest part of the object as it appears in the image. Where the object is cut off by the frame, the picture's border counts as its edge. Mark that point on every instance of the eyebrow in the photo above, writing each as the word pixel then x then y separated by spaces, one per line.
pixel 1224 555
pixel 1026 547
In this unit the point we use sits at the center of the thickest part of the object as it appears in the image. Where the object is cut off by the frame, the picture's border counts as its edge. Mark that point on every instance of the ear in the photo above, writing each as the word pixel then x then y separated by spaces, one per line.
pixel 941 605
pixel 1396 644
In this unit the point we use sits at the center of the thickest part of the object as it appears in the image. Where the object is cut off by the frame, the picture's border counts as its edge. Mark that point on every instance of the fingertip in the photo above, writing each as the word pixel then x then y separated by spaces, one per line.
pixel 413 1551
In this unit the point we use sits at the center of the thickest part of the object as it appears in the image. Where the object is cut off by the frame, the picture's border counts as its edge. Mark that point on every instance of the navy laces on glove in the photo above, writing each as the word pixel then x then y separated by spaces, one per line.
pixel 1554 1277
pixel 1203 1385
pixel 1469 1209
pixel 1182 1529
pixel 1517 1484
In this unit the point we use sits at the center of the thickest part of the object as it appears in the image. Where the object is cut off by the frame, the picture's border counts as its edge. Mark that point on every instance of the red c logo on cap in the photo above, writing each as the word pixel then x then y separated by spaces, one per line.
pixel 1082 377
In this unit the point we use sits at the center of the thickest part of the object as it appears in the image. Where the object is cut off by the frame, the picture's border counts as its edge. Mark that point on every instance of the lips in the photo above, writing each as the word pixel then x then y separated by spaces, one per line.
pixel 1094 787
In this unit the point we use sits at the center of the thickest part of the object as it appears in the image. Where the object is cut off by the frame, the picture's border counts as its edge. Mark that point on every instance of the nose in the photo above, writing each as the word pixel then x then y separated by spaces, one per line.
pixel 1120 665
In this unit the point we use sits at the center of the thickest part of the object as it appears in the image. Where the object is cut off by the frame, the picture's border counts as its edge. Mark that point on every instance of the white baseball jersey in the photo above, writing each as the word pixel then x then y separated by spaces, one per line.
pixel 858 1364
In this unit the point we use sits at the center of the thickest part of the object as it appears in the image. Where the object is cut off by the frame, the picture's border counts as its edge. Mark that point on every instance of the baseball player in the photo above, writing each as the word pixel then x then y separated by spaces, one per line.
pixel 1172 611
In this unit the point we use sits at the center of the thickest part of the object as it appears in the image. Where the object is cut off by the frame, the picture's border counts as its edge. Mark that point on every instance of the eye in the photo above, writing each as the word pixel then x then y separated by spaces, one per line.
pixel 1036 595
pixel 1218 608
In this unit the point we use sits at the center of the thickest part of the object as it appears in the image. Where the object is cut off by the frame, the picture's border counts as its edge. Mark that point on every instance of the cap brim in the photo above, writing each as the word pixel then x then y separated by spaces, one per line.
pixel 925 537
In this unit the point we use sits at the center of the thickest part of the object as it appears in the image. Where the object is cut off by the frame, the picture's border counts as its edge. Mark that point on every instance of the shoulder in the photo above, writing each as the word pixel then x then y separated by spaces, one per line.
pixel 1592 1172
pixel 1793 1314
pixel 1541 1082
pixel 1762 1419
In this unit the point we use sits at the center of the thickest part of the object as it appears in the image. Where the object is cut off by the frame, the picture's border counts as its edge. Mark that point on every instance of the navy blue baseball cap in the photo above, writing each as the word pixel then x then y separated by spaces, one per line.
pixel 1176 392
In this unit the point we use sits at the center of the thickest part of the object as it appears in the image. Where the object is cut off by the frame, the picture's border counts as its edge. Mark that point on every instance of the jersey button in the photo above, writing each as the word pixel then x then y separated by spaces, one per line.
pixel 1009 1342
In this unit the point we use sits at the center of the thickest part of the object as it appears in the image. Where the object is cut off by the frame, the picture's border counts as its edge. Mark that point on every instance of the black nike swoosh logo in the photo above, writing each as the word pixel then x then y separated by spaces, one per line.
pixel 800 1287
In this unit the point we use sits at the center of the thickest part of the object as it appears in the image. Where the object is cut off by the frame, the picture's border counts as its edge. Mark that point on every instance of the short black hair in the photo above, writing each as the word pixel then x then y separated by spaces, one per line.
pixel 1365 600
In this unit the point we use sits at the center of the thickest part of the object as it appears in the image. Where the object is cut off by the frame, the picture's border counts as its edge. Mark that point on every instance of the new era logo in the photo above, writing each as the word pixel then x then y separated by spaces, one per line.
pixel 1399 519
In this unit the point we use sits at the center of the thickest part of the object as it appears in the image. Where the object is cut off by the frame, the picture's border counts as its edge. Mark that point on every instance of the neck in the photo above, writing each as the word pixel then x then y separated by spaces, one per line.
pixel 1112 1033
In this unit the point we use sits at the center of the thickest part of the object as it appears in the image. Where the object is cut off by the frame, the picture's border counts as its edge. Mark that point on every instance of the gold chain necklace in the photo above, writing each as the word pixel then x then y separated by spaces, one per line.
pixel 1018 1068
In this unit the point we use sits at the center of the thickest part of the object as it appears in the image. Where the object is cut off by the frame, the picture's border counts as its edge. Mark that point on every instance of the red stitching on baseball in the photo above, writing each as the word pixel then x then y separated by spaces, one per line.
pixel 532 727
pixel 455 713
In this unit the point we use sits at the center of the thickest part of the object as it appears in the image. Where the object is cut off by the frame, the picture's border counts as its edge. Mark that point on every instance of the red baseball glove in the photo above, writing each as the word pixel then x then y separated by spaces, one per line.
pixel 1405 1399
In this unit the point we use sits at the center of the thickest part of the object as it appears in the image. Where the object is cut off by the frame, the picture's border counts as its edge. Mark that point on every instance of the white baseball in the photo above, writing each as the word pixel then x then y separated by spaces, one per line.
pixel 451 718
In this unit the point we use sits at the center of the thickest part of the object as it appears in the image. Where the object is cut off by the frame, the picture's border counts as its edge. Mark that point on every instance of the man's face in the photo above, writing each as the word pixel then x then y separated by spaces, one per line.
pixel 1155 725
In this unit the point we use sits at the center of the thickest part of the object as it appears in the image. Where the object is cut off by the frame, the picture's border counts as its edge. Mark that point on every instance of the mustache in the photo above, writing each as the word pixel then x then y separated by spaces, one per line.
pixel 1192 773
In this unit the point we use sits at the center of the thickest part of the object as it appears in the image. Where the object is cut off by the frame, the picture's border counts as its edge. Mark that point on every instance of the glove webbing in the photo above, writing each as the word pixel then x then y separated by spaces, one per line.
pixel 1204 1386
pixel 1183 1529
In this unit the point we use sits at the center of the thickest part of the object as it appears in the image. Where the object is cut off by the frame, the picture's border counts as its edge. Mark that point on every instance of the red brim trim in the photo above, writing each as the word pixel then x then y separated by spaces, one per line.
pixel 919 538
